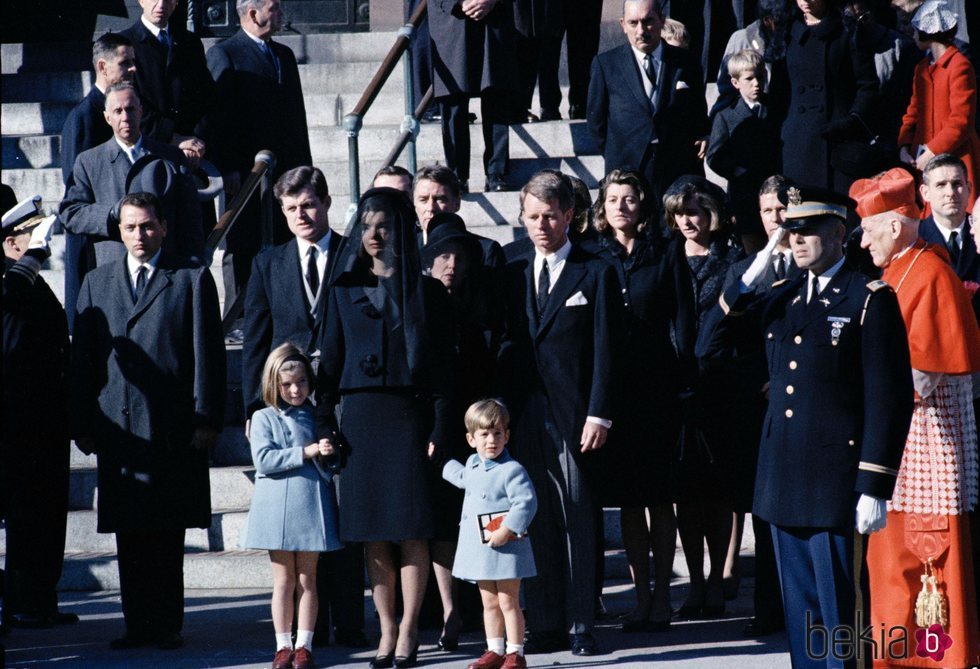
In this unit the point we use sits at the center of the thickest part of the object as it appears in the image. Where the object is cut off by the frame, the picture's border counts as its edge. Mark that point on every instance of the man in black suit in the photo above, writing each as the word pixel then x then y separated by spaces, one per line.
pixel 102 175
pixel 562 317
pixel 946 189
pixel 646 102
pixel 840 402
pixel 258 105
pixel 172 77
pixel 148 382
pixel 285 301
pixel 114 61
pixel 34 445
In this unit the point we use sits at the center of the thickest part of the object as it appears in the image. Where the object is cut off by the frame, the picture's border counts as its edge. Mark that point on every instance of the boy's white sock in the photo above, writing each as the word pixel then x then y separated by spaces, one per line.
pixel 496 645
pixel 284 640
pixel 304 639
pixel 515 648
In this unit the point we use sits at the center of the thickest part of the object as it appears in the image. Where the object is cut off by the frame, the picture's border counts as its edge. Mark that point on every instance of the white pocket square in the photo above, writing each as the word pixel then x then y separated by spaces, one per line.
pixel 576 300
pixel 681 85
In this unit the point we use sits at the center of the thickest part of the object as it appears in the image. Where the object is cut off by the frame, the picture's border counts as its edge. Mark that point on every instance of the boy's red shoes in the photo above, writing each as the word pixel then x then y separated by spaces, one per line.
pixel 283 659
pixel 514 661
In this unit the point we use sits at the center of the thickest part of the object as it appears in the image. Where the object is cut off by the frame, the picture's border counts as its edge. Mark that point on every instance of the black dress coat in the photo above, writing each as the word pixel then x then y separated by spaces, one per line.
pixel 968 265
pixel 255 107
pixel 823 82
pixel 469 57
pixel 175 85
pixel 705 454
pixel 839 413
pixel 144 376
pixel 84 129
pixel 277 311
pixel 634 468
pixel 623 122
pixel 34 443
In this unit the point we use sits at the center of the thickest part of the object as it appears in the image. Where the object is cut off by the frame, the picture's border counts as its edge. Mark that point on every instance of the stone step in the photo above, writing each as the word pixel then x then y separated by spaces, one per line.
pixel 313 48
pixel 231 487
pixel 222 569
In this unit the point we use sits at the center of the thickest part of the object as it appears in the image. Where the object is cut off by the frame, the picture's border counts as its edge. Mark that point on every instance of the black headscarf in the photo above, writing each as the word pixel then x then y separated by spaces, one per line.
pixel 403 288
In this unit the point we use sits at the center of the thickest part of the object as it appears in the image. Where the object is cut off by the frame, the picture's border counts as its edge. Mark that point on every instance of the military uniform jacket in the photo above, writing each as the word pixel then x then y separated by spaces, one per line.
pixel 840 394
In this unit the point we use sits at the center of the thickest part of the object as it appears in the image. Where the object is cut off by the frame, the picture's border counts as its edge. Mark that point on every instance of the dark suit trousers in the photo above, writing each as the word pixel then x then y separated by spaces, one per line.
pixel 582 20
pixel 539 58
pixel 563 532
pixel 496 112
pixel 421 53
pixel 151 581
pixel 816 572
pixel 340 587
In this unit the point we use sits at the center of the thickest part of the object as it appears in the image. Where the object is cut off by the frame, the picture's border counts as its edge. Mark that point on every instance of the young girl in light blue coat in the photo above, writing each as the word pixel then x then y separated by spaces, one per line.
pixel 493 549
pixel 293 513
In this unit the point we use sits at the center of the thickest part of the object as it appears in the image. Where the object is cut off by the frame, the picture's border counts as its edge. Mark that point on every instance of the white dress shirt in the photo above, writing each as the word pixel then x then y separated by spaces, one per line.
pixel 822 279
pixel 133 265
pixel 323 248
pixel 134 152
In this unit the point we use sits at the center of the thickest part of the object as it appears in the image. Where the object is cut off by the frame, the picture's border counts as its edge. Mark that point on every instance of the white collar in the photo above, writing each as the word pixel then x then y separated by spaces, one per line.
pixel 133 265
pixel 137 147
pixel 553 259
pixel 657 54
pixel 152 28
pixel 323 244
pixel 946 232
pixel 258 40
pixel 751 105
pixel 828 274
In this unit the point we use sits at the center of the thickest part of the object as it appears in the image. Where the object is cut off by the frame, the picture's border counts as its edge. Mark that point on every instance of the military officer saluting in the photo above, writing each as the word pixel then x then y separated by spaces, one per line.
pixel 838 416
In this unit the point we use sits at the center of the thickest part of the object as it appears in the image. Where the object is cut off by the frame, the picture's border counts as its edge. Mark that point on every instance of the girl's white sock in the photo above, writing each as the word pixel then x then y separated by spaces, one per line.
pixel 515 648
pixel 304 639
pixel 496 645
pixel 284 640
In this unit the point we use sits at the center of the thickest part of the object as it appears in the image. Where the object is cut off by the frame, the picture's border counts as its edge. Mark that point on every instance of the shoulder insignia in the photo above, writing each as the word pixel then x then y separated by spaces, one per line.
pixel 795 196
pixel 780 282
pixel 877 285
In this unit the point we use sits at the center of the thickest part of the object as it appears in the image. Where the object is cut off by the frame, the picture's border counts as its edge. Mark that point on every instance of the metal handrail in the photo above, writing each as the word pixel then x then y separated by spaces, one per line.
pixel 354 121
pixel 265 161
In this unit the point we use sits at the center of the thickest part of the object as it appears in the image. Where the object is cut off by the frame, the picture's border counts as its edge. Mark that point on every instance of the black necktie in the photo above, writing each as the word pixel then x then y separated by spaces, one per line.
pixel 814 289
pixel 544 286
pixel 312 272
pixel 780 266
pixel 140 283
pixel 165 39
pixel 954 248
pixel 651 71
pixel 271 55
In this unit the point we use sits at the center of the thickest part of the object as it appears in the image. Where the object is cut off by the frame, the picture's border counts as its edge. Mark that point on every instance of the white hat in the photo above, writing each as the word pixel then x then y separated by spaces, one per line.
pixel 23 216
pixel 934 16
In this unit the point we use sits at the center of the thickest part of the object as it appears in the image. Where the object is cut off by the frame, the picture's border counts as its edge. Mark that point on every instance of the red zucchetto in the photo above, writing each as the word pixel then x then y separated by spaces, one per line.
pixel 893 190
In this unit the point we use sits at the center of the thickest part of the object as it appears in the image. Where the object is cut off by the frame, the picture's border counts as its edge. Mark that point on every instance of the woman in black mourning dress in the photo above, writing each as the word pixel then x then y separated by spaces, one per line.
pixel 386 356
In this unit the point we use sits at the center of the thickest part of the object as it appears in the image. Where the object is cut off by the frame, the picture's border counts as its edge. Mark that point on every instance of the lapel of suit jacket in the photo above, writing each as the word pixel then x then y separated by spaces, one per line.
pixel 666 78
pixel 633 77
pixel 968 251
pixel 294 282
pixel 121 286
pixel 571 276
pixel 160 280
pixel 530 296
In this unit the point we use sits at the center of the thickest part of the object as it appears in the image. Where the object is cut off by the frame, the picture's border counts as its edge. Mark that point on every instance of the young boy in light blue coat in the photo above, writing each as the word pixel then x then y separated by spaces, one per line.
pixel 493 549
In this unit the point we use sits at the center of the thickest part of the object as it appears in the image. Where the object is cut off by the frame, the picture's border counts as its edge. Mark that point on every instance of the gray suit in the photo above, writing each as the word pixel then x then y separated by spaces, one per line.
pixel 98 182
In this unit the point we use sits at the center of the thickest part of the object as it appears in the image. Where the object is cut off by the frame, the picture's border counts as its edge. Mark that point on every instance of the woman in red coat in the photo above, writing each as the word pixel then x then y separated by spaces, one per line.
pixel 940 117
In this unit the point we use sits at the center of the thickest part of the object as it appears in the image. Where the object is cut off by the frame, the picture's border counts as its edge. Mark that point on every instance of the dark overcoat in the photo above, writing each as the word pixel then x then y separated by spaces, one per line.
pixel 823 80
pixel 255 107
pixel 174 85
pixel 470 56
pixel 144 376
pixel 840 394
pixel 968 265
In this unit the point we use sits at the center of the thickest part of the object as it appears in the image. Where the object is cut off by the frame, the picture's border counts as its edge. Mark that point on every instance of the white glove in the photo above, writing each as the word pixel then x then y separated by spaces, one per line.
pixel 762 259
pixel 869 516
pixel 41 235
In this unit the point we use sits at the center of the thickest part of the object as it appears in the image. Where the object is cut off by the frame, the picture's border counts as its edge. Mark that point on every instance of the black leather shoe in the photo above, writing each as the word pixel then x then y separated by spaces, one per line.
pixel 584 644
pixel 551 641
pixel 496 184
pixel 171 641
pixel 28 621
pixel 129 640
pixel 761 627
pixel 407 661
pixel 576 112
pixel 350 638
pixel 550 114
pixel 65 618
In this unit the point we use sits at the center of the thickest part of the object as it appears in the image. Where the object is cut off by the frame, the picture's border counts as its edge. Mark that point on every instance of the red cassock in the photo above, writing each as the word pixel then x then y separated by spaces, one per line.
pixel 942 111
pixel 936 484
